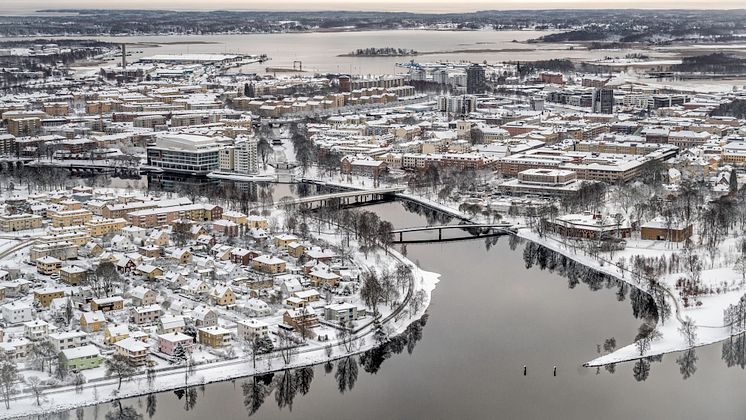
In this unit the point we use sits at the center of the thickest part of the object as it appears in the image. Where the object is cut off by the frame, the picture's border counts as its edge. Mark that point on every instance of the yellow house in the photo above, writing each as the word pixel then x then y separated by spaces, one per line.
pixel 268 264
pixel 181 256
pixel 215 337
pixel 235 217
pixel 46 296
pixel 114 333
pixel 48 265
pixel 296 250
pixel 102 227
pixel 158 238
pixel 69 217
pixel 150 272
pixel 257 222
pixel 282 241
pixel 223 296
pixel 92 321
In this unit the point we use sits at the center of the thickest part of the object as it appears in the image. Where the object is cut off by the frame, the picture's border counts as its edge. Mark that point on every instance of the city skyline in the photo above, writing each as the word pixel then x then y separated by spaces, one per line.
pixel 418 6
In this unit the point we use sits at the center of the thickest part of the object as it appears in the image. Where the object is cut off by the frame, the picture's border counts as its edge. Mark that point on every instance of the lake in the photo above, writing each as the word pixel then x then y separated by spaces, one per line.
pixel 319 52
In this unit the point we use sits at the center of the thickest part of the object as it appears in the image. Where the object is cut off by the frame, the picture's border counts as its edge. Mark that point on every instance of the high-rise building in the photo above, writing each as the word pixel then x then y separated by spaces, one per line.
pixel 475 79
pixel 603 101
pixel 461 105
pixel 246 156
pixel 440 76
pixel 24 127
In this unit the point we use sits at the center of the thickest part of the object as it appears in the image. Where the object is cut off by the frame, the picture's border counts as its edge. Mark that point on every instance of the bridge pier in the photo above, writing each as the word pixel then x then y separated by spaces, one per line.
pixel 440 234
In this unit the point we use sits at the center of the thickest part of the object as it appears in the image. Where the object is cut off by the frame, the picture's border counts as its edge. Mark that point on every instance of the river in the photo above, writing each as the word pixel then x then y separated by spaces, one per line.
pixel 490 315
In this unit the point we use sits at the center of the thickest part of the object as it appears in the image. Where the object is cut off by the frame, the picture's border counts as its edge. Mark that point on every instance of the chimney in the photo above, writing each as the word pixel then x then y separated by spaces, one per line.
pixel 124 57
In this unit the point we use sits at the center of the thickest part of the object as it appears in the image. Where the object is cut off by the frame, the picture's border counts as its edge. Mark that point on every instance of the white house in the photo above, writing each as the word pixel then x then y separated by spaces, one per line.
pixel 250 328
pixel 17 313
pixel 257 307
pixel 68 340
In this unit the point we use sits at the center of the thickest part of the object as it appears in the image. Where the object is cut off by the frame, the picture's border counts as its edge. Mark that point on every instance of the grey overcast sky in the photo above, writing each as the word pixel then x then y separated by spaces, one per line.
pixel 432 6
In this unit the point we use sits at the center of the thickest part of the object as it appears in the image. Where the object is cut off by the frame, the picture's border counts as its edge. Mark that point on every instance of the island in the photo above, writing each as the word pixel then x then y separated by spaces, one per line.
pixel 380 52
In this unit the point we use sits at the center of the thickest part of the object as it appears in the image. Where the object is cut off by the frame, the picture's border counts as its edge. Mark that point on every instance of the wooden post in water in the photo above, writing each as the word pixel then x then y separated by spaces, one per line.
pixel 555 371
pixel 524 370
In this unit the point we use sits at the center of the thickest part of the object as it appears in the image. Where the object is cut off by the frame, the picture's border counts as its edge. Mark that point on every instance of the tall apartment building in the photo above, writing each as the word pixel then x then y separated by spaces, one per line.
pixel 475 79
pixel 603 100
pixel 24 127
pixel 227 158
pixel 246 156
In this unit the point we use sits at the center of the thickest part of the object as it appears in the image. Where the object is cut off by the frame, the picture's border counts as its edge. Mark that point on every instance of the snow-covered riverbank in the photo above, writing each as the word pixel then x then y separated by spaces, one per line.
pixel 708 318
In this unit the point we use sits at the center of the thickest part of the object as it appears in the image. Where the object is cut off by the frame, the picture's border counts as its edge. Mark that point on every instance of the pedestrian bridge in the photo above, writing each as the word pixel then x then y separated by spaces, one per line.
pixel 475 231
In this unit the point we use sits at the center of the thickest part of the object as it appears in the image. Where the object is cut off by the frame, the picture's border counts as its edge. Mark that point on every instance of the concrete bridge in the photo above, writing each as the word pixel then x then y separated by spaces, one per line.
pixel 114 167
pixel 343 199
pixel 477 231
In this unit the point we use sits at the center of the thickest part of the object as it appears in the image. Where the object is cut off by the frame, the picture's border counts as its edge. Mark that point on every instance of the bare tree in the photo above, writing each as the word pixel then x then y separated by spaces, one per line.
pixel 8 378
pixel 287 346
pixel 119 366
pixel 689 330
pixel 34 383
pixel 645 336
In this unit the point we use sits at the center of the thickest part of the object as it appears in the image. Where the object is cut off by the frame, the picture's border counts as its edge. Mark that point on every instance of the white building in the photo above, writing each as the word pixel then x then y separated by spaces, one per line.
pixel 250 328
pixel 245 156
pixel 68 340
pixel 186 153
pixel 17 313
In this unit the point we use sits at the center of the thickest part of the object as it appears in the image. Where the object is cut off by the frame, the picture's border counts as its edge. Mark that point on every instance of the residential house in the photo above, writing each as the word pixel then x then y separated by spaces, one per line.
pixel 146 315
pixel 171 324
pixel 149 272
pixel 257 307
pixel 16 348
pixel 268 264
pixel 300 319
pixel 251 328
pixel 320 278
pixel 282 241
pixel 296 249
pixel 36 329
pixel 114 303
pixel 68 339
pixel 343 312
pixel 168 342
pixel 45 296
pixel 215 336
pixel 222 295
pixel 72 275
pixel 92 321
pixel 81 358
pixel 114 333
pixel 142 296
pixel 135 350
pixel 204 316
pixel 180 256
pixel 17 312
pixel 48 265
